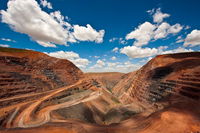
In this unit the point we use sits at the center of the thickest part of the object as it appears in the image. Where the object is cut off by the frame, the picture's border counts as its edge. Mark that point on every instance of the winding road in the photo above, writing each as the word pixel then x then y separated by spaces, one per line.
pixel 28 118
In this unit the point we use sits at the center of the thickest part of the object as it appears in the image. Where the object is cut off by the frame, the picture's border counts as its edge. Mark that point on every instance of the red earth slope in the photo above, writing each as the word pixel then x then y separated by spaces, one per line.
pixel 161 97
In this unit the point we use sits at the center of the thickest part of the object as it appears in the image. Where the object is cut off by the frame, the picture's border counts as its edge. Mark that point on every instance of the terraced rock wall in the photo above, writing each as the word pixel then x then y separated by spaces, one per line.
pixel 165 80
pixel 28 72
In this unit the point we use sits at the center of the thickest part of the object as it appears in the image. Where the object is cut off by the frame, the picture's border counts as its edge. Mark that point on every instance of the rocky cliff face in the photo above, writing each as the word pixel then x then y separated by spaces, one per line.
pixel 45 94
pixel 163 81
pixel 57 85
pixel 27 72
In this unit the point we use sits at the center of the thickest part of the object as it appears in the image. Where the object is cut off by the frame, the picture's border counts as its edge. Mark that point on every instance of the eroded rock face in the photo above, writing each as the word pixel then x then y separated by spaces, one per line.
pixel 45 94
pixel 36 88
pixel 163 81
pixel 29 72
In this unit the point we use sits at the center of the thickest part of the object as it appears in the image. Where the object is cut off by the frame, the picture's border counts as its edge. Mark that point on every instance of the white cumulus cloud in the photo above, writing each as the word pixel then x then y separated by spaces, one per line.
pixel 4 45
pixel 113 39
pixel 120 40
pixel 8 40
pixel 177 50
pixel 113 58
pixel 164 29
pixel 116 49
pixel 61 19
pixel 143 34
pixel 88 33
pixel 158 15
pixel 45 3
pixel 26 16
pixel 175 28
pixel 99 64
pixel 193 39
pixel 41 27
pixel 138 52
pixel 124 67
pixel 147 31
pixel 71 56
pixel 179 39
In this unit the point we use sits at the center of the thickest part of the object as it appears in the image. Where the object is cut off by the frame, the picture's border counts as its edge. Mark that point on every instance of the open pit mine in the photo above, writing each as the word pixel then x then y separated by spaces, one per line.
pixel 43 94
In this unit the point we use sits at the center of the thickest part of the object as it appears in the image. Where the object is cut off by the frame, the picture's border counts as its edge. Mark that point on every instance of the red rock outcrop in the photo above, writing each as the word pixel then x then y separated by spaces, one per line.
pixel 163 81
pixel 48 95
pixel 29 72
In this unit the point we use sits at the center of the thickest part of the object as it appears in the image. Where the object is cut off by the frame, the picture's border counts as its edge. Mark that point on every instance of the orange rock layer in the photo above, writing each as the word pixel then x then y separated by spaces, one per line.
pixel 49 95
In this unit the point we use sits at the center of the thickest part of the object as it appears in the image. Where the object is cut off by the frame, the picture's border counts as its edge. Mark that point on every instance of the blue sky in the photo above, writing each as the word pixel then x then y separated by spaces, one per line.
pixel 102 35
